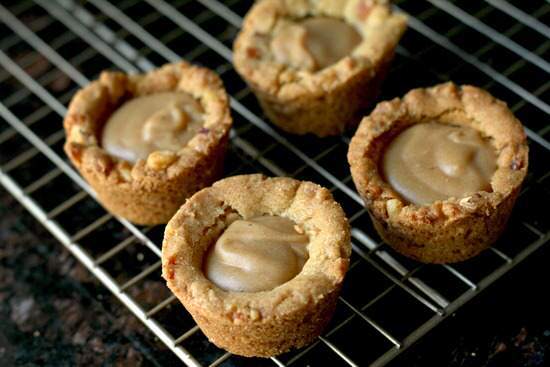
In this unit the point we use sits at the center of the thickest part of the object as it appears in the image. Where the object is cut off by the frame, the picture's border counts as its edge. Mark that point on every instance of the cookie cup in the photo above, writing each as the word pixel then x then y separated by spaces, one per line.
pixel 266 323
pixel 150 191
pixel 323 102
pixel 454 229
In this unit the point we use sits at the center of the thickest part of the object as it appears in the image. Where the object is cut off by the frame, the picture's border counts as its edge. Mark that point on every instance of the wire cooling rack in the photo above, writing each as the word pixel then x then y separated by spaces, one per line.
pixel 49 49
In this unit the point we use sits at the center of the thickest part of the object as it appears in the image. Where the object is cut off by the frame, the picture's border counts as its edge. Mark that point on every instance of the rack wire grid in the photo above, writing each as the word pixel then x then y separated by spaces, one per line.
pixel 49 49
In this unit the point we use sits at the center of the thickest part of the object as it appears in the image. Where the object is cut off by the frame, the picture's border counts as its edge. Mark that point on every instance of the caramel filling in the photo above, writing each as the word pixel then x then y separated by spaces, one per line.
pixel 433 161
pixel 314 43
pixel 161 121
pixel 257 254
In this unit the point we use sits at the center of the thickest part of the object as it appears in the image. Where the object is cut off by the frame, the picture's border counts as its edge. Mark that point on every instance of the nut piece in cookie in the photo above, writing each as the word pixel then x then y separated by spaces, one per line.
pixel 258 262
pixel 314 64
pixel 147 142
pixel 438 170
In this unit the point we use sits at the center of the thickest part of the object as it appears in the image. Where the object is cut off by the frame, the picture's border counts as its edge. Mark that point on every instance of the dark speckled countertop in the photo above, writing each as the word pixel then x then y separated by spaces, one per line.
pixel 54 313
pixel 508 325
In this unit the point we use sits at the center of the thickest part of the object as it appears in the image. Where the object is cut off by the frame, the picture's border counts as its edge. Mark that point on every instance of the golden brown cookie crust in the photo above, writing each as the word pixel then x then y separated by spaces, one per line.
pixel 262 323
pixel 324 102
pixel 151 190
pixel 457 228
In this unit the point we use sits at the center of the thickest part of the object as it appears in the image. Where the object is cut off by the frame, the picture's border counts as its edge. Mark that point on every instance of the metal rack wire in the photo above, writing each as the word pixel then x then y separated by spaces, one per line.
pixel 48 49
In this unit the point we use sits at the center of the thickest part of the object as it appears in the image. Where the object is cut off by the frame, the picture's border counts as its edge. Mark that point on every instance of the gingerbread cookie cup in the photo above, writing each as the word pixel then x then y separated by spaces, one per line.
pixel 448 230
pixel 297 92
pixel 150 190
pixel 264 323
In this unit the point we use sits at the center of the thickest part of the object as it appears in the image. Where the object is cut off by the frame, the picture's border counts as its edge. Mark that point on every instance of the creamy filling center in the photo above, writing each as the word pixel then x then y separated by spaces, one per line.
pixel 434 161
pixel 314 43
pixel 257 254
pixel 161 121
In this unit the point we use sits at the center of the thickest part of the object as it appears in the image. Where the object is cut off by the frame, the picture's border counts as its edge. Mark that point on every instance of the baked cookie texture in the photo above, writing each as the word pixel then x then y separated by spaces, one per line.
pixel 270 322
pixel 150 191
pixel 328 101
pixel 457 228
